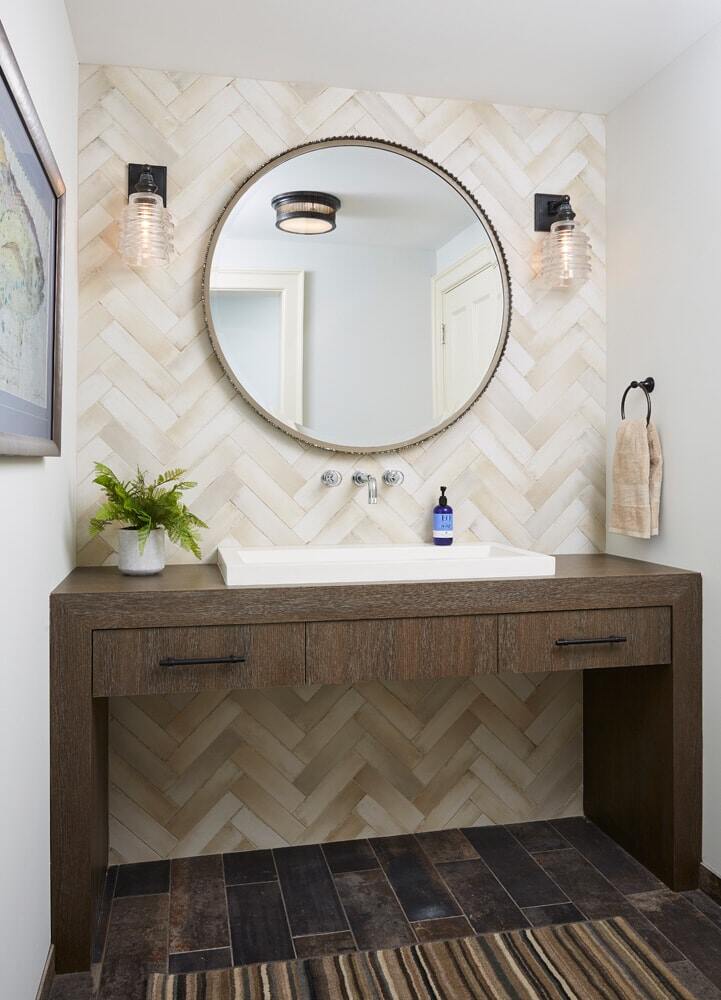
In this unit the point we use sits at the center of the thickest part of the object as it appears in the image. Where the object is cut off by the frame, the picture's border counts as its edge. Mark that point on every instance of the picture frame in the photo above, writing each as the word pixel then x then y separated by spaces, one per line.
pixel 32 244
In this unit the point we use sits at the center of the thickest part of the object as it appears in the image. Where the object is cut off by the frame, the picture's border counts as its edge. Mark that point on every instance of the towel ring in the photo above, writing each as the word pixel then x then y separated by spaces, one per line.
pixel 648 385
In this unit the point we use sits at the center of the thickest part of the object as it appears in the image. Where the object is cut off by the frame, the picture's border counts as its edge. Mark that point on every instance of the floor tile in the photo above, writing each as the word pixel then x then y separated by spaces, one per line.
pixel 258 926
pixel 249 866
pixel 584 885
pixel 144 879
pixel 200 961
pixel 538 837
pixel 419 888
pixel 694 981
pixel 705 904
pixel 558 913
pixel 316 945
pixel 74 986
pixel 481 896
pixel 198 909
pixel 101 928
pixel 686 927
pixel 375 917
pixel 137 945
pixel 446 845
pixel 514 867
pixel 308 890
pixel 620 868
pixel 442 930
pixel 350 856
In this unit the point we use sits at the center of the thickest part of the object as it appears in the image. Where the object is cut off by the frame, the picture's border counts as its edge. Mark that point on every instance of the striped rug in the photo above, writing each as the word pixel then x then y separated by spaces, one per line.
pixel 603 959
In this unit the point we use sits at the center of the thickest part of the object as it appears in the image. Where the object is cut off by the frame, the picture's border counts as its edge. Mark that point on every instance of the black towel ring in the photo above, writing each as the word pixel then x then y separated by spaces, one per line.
pixel 648 385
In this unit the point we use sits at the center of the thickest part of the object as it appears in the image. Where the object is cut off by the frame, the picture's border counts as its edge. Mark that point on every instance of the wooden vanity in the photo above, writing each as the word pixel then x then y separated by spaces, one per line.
pixel 634 629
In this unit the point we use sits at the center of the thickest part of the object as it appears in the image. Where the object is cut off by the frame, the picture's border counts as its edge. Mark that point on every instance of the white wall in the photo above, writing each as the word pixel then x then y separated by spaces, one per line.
pixel 36 514
pixel 664 276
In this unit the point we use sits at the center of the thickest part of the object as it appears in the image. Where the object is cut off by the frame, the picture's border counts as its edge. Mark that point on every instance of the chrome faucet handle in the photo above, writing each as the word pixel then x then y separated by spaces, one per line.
pixel 331 477
pixel 393 477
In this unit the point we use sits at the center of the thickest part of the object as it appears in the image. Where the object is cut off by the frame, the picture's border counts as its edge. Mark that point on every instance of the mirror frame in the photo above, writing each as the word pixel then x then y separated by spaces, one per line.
pixel 460 189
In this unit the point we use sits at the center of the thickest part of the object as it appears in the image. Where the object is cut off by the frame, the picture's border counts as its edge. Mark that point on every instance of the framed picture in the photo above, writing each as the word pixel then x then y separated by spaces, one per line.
pixel 32 209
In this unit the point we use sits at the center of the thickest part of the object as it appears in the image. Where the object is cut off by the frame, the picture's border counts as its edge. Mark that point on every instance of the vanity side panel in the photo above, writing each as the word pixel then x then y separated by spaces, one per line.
pixel 401 649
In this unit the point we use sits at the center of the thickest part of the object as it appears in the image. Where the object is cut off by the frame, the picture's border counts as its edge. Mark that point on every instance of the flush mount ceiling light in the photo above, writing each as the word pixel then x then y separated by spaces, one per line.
pixel 305 212
pixel 146 228
pixel 566 251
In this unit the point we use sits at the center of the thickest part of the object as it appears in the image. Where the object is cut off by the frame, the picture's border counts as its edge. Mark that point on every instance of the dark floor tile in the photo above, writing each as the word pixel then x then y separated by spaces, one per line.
pixel 101 927
pixel 258 926
pixel 653 937
pixel 200 961
pixel 376 919
pixel 249 866
pixel 74 986
pixel 538 837
pixel 144 879
pixel 137 945
pixel 419 888
pixel 316 945
pixel 442 930
pixel 350 856
pixel 514 867
pixel 198 909
pixel 627 874
pixel 483 899
pixel 308 890
pixel 584 885
pixel 694 981
pixel 558 913
pixel 705 904
pixel 686 927
pixel 446 845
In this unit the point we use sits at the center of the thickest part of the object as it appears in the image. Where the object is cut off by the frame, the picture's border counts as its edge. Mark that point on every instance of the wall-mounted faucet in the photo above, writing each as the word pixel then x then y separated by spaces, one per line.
pixel 363 478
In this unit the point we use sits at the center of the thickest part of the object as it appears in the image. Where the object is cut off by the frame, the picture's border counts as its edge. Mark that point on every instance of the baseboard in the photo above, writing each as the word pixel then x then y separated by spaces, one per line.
pixel 46 980
pixel 710 883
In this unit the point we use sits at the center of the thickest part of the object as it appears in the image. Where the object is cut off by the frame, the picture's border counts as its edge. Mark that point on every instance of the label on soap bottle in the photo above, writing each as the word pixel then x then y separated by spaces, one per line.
pixel 443 524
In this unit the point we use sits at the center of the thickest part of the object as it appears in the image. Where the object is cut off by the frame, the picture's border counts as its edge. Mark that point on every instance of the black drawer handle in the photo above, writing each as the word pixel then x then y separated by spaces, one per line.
pixel 591 642
pixel 175 661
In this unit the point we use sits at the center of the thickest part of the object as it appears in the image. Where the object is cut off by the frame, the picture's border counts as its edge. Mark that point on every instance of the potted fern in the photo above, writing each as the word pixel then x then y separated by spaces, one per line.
pixel 148 510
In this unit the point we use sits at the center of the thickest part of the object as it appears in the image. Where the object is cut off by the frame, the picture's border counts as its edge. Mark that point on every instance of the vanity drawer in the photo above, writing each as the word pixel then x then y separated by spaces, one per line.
pixel 155 660
pixel 574 640
pixel 400 649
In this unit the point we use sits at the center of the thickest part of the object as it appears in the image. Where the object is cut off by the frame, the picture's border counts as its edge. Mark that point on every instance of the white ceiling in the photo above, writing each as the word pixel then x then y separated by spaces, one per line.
pixel 410 207
pixel 572 54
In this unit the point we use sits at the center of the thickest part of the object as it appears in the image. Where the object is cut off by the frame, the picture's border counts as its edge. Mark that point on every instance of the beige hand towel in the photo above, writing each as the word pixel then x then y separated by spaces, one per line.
pixel 637 470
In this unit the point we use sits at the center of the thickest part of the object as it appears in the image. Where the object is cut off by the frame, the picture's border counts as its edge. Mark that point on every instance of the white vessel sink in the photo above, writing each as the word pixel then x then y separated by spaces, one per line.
pixel 247 567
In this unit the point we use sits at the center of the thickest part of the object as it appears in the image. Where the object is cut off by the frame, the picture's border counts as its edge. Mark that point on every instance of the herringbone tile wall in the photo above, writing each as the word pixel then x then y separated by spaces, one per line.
pixel 525 465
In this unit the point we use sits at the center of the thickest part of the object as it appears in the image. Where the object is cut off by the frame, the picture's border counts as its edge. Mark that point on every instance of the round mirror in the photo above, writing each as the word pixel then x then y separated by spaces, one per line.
pixel 357 295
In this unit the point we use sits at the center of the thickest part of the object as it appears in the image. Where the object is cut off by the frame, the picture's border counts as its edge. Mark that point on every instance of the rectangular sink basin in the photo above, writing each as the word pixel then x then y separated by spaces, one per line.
pixel 247 567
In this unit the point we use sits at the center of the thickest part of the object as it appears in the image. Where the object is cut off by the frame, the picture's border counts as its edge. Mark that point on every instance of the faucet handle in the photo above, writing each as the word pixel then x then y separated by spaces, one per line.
pixel 331 477
pixel 393 477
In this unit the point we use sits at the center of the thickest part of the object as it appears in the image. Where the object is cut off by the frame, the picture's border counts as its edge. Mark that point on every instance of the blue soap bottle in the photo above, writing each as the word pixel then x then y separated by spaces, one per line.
pixel 443 521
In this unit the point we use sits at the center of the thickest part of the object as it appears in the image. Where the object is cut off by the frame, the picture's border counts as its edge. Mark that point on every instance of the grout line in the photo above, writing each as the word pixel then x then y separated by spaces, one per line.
pixel 198 951
pixel 282 899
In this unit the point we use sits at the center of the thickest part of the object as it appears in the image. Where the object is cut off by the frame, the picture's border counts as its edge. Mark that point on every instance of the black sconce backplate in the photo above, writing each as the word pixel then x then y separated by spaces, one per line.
pixel 160 176
pixel 546 211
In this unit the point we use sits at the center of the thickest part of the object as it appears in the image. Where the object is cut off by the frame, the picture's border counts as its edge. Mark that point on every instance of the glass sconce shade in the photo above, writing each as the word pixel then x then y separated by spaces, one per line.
pixel 146 227
pixel 565 255
pixel 307 213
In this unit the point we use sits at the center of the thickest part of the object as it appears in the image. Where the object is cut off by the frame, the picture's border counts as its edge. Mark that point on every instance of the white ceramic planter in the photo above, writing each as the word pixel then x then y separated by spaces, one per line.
pixel 132 561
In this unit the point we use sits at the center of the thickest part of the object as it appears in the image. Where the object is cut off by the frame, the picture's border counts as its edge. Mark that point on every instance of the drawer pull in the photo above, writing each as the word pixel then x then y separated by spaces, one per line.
pixel 591 642
pixel 174 661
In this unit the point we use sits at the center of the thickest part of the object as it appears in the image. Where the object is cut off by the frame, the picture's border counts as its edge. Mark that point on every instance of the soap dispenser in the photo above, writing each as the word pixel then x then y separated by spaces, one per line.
pixel 443 521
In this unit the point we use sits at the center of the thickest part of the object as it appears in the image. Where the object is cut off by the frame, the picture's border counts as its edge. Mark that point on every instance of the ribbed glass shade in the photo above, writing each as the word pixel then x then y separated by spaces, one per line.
pixel 146 231
pixel 565 255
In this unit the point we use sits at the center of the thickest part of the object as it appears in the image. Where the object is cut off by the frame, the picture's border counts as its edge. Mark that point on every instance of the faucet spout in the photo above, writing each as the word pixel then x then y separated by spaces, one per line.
pixel 365 478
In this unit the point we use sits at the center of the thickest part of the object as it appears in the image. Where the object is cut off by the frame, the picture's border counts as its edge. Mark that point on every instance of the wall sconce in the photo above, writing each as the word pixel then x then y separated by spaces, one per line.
pixel 305 212
pixel 566 251
pixel 146 228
